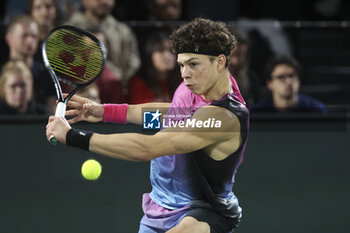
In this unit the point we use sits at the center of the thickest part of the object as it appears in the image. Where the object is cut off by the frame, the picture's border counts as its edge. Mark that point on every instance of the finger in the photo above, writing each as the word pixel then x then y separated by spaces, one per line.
pixel 47 135
pixel 78 99
pixel 48 125
pixel 73 112
pixel 51 118
pixel 73 104
pixel 64 121
pixel 49 132
pixel 74 120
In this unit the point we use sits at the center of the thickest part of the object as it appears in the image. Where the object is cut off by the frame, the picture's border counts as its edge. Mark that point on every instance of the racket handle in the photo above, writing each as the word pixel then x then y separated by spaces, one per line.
pixel 54 141
pixel 60 112
pixel 60 109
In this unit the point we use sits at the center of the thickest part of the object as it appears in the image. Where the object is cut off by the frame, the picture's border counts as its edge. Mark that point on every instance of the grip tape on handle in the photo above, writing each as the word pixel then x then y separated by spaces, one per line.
pixel 60 112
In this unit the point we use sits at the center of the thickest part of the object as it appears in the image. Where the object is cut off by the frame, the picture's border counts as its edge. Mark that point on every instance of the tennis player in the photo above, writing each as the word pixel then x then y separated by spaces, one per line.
pixel 194 161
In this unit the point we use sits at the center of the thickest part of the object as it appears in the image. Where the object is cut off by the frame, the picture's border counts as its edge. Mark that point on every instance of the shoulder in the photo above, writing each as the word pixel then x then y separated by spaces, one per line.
pixel 6 109
pixel 304 99
pixel 217 118
pixel 113 22
pixel 181 89
pixel 311 103
pixel 265 105
pixel 136 82
pixel 182 96
pixel 37 65
pixel 78 19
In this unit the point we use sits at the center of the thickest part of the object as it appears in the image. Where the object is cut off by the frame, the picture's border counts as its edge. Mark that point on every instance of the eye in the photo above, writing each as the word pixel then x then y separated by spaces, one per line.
pixel 192 65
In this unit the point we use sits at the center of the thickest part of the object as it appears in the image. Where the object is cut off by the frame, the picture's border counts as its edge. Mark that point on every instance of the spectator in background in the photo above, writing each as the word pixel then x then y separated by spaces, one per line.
pixel 159 75
pixel 45 13
pixel 16 8
pixel 283 81
pixel 110 88
pixel 16 90
pixel 239 60
pixel 166 10
pixel 68 7
pixel 22 38
pixel 123 51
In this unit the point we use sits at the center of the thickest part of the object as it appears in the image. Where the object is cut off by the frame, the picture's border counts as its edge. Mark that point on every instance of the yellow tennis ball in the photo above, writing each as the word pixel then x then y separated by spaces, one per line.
pixel 91 169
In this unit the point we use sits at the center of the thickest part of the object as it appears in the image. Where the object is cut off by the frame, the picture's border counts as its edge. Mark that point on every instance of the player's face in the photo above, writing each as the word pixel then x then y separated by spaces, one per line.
pixel 198 72
pixel 164 60
pixel 168 9
pixel 99 8
pixel 44 12
pixel 17 90
pixel 284 82
pixel 24 39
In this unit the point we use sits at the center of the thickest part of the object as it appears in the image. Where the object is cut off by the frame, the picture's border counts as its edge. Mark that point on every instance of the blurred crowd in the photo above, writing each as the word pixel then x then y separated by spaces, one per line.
pixel 140 66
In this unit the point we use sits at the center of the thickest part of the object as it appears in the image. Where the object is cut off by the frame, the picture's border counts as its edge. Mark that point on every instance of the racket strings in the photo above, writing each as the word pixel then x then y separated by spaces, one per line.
pixel 76 57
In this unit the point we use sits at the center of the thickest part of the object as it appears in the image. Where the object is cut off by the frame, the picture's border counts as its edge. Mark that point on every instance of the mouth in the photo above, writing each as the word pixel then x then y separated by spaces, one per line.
pixel 189 86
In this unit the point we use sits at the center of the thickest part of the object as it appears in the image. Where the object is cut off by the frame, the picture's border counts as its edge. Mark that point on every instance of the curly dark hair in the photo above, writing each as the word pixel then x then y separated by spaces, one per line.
pixel 203 36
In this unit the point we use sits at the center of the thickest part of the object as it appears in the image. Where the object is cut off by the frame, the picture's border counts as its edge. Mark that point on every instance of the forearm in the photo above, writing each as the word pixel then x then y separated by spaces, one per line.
pixel 124 113
pixel 127 146
pixel 135 112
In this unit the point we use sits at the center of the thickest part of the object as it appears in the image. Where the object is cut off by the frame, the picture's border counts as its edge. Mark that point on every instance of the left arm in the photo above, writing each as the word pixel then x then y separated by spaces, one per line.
pixel 139 147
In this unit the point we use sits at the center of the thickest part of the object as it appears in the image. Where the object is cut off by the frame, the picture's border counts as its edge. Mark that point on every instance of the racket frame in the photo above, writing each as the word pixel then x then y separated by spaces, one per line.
pixel 62 102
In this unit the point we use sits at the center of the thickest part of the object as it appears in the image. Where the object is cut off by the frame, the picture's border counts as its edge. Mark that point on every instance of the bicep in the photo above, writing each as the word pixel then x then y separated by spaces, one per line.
pixel 186 139
pixel 175 142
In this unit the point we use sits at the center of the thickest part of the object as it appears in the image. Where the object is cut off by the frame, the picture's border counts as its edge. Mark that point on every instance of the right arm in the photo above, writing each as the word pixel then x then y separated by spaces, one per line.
pixel 83 109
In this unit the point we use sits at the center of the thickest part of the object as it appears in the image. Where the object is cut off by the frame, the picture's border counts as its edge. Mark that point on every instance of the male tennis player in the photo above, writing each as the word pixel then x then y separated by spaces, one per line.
pixel 192 164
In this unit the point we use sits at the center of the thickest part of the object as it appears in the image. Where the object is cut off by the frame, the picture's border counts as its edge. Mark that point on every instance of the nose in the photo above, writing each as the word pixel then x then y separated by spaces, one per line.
pixel 31 40
pixel 288 80
pixel 168 54
pixel 185 73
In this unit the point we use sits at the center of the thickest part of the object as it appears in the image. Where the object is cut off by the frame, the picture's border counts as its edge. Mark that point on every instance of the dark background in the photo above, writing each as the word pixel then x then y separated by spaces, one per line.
pixel 294 178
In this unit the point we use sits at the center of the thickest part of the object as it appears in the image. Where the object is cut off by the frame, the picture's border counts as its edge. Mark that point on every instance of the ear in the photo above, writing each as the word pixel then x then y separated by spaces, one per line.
pixel 8 38
pixel 221 59
pixel 269 85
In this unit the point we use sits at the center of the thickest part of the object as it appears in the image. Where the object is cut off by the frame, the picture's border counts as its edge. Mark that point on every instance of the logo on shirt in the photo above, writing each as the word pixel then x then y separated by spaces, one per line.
pixel 151 120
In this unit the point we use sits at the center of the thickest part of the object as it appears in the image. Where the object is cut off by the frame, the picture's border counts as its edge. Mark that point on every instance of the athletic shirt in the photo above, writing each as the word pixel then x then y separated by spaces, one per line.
pixel 180 180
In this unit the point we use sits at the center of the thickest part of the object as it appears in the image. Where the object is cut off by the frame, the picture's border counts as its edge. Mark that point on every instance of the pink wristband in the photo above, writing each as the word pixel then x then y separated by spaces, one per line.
pixel 115 113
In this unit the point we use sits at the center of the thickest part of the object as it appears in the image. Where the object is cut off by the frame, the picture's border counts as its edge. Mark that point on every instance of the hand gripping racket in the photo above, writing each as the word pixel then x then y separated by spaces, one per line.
pixel 72 56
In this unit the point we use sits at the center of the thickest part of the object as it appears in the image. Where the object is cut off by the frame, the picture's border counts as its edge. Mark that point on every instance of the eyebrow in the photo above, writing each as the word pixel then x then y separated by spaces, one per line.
pixel 189 60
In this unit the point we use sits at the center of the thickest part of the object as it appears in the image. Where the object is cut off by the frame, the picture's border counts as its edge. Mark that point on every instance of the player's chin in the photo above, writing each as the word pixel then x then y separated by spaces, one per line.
pixel 196 91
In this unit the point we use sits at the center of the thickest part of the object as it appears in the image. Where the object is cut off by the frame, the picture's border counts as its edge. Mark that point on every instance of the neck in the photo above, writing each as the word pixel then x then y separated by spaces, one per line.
pixel 44 30
pixel 161 75
pixel 27 59
pixel 23 108
pixel 283 104
pixel 219 89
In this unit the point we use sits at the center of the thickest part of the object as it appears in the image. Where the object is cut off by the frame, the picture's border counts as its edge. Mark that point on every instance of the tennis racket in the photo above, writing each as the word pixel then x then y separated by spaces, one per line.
pixel 72 56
